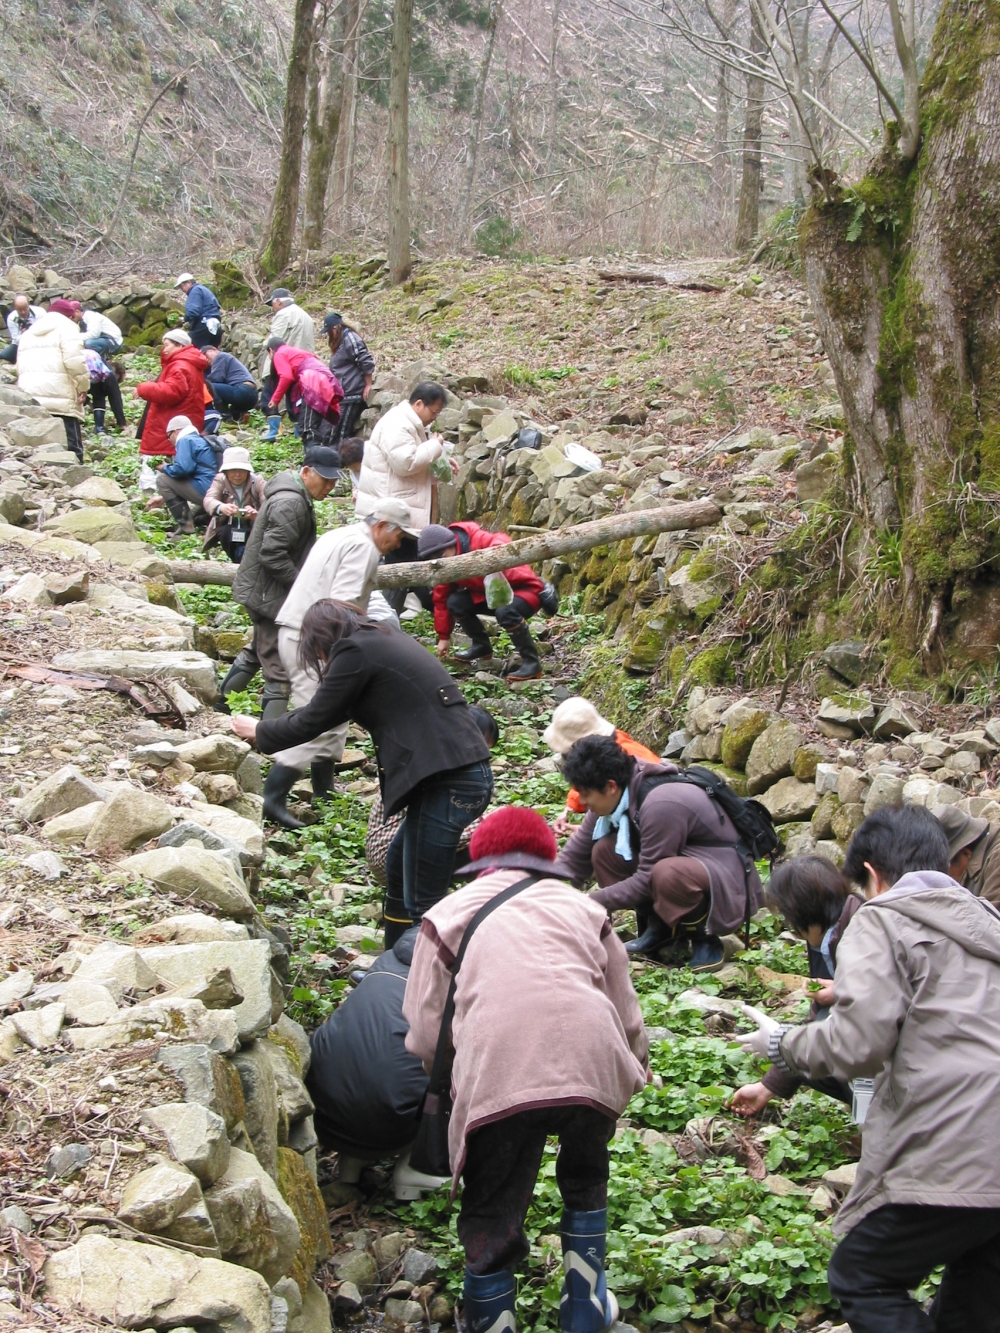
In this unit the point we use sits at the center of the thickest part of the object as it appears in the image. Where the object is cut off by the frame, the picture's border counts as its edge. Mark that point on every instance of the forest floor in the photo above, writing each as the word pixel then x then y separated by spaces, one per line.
pixel 715 1224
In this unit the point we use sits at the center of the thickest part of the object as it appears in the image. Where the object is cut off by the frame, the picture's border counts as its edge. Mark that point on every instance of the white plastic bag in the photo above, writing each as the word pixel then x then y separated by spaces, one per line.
pixel 147 476
pixel 498 591
pixel 576 453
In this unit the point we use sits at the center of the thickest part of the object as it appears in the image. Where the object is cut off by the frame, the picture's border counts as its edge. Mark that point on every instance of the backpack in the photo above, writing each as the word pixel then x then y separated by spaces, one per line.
pixel 217 445
pixel 321 390
pixel 756 836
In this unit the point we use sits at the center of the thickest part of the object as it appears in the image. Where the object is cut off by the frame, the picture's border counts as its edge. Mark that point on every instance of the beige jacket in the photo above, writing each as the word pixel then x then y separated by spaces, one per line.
pixel 341 565
pixel 917 1010
pixel 397 462
pixel 295 327
pixel 545 1013
pixel 51 365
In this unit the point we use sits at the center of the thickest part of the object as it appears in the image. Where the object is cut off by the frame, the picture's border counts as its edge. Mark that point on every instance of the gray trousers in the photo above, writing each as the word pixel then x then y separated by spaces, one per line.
pixel 178 488
pixel 330 745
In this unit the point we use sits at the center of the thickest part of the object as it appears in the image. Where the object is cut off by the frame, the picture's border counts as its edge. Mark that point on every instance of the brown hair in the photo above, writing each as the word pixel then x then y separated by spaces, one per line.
pixel 808 891
pixel 323 626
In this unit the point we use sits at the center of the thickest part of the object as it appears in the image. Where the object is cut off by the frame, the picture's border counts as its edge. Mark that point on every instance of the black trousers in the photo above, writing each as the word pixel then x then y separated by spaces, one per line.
pixel 405 554
pixel 501 1167
pixel 516 612
pixel 104 392
pixel 74 436
pixel 350 410
pixel 891 1251
pixel 203 337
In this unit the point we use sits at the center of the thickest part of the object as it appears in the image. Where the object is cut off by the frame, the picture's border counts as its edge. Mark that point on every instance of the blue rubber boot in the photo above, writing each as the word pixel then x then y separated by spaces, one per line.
pixel 586 1305
pixel 273 424
pixel 489 1302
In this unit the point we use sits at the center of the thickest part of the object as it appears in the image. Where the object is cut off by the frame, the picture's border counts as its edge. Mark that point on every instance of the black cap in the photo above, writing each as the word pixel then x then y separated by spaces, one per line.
pixel 281 292
pixel 324 460
pixel 332 321
pixel 274 343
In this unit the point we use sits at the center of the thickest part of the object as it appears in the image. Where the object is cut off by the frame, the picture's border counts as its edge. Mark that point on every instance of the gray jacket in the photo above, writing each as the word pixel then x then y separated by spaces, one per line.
pixel 918 1010
pixel 282 536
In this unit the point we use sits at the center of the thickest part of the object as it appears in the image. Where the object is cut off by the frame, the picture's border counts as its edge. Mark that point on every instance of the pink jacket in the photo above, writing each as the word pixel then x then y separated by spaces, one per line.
pixel 545 1013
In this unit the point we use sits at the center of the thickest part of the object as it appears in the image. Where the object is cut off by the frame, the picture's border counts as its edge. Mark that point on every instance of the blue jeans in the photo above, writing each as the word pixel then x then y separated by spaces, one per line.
pixel 420 862
pixel 9 353
pixel 101 344
pixel 233 398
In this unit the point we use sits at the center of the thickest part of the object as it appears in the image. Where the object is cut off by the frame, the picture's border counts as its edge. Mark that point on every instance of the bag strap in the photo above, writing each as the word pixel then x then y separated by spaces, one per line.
pixel 441 1067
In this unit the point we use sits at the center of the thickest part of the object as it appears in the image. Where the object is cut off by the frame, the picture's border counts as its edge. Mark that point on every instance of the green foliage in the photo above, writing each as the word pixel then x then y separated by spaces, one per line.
pixel 781 237
pixel 497 236
pixel 715 385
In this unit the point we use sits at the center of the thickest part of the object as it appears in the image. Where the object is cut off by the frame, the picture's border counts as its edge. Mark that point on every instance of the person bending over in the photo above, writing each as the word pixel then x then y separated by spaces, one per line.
pixel 916 1009
pixel 660 846
pixel 233 388
pixel 572 720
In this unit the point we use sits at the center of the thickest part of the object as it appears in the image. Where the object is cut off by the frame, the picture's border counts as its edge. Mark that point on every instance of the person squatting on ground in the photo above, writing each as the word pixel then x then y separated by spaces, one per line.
pixel 662 847
pixel 202 312
pixel 572 720
pixel 179 391
pixel 342 566
pixel 184 481
pixel 52 369
pixel 22 315
pixel 100 334
pixel 817 903
pixel 354 366
pixel 283 535
pixel 466 600
pixel 232 503
pixel 975 852
pixel 548 1039
pixel 294 327
pixel 233 388
pixel 366 1086
pixel 431 755
pixel 105 387
pixel 398 457
pixel 311 388
pixel 916 1009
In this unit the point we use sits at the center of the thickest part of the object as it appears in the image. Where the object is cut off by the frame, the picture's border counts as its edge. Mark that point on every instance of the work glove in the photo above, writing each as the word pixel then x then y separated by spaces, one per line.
pixel 759 1041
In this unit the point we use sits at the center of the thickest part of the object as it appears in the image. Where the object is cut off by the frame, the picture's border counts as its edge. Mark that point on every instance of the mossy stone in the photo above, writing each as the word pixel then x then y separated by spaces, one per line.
pixel 738 738
pixel 734 779
pixel 822 820
pixel 164 594
pixel 646 647
pixel 847 820
pixel 300 1192
pixel 805 760
pixel 677 664
pixel 712 667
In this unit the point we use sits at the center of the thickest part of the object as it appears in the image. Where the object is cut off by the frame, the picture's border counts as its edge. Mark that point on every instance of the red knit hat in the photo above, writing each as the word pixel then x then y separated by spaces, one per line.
pixel 510 830
pixel 61 307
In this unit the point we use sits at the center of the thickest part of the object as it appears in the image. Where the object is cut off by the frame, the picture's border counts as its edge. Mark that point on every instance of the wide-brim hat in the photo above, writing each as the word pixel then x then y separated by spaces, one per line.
pixel 236 459
pixel 573 720
pixel 960 829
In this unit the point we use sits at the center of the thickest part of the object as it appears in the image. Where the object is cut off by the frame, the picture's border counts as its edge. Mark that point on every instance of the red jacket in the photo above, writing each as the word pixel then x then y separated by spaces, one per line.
pixel 321 390
pixel 523 580
pixel 180 391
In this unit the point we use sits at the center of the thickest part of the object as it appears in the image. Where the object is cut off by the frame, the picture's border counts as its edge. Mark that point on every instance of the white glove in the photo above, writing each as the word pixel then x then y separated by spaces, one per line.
pixel 759 1041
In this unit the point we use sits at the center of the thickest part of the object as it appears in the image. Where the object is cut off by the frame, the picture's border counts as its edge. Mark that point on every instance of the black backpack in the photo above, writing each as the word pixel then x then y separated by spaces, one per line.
pixel 756 836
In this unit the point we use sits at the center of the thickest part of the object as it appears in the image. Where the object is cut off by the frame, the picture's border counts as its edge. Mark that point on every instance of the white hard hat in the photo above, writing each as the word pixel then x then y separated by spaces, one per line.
pixel 185 277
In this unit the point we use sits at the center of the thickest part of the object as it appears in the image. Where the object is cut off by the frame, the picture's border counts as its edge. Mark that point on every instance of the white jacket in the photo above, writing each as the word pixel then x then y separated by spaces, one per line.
pixel 397 462
pixel 341 565
pixel 96 325
pixel 294 326
pixel 51 366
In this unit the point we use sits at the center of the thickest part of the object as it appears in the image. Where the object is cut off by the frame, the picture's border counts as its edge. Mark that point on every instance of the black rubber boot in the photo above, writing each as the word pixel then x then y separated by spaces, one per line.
pixel 656 934
pixel 707 952
pixel 274 700
pixel 277 785
pixel 480 648
pixel 99 420
pixel 531 666
pixel 181 513
pixel 395 919
pixel 238 677
pixel 321 775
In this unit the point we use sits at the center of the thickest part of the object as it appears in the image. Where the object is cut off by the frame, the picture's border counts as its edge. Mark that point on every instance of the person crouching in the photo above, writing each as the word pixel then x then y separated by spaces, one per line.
pixel 548 1040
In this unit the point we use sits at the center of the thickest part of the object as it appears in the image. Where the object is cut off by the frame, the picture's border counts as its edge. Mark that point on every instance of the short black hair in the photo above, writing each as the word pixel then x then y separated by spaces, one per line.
pixel 808 891
pixel 352 450
pixel 429 393
pixel 897 843
pixel 486 723
pixel 595 761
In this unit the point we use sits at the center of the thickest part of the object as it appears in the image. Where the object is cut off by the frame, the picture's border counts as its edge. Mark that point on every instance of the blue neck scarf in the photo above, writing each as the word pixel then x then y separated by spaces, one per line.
pixel 619 821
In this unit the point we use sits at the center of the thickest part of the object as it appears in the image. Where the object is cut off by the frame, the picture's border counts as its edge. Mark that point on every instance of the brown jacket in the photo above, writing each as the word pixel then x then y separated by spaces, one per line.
pixel 917 1009
pixel 545 1013
pixel 676 819
pixel 983 875
pixel 222 492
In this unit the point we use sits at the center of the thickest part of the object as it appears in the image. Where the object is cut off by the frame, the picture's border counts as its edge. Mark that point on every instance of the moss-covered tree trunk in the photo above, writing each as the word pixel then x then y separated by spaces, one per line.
pixel 277 248
pixel 903 274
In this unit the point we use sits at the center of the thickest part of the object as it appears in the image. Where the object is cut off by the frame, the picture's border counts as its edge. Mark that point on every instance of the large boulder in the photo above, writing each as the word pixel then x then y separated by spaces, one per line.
pixel 851 711
pixel 208 1079
pixel 249 961
pixel 287 1238
pixel 742 724
pixel 119 963
pixel 260 1096
pixel 131 817
pixel 129 1285
pixel 93 524
pixel 205 877
pixel 152 1199
pixel 218 753
pixel 194 671
pixel 66 789
pixel 31 432
pixel 789 799
pixel 96 491
pixel 772 755
pixel 71 829
pixel 195 1135
pixel 300 1192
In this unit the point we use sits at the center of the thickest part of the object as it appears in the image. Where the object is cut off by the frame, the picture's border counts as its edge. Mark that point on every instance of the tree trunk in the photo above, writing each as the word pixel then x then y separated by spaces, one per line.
pixel 325 99
pixel 465 215
pixel 399 142
pixel 277 248
pixel 343 161
pixel 720 138
pixel 748 219
pixel 553 80
pixel 902 274
pixel 529 550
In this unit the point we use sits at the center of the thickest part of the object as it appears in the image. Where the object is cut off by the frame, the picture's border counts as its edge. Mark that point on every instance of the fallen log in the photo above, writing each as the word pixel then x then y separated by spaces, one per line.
pixel 649 277
pixel 527 551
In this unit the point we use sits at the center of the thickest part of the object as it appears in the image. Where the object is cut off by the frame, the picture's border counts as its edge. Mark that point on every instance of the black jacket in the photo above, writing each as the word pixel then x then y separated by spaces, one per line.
pixel 400 693
pixel 282 536
pixel 365 1084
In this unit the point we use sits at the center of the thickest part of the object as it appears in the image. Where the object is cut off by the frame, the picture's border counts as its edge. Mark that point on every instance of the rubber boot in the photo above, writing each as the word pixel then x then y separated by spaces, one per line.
pixel 396 920
pixel 277 785
pixel 99 420
pixel 655 935
pixel 408 1184
pixel 707 951
pixel 480 648
pixel 238 677
pixel 273 426
pixel 182 514
pixel 531 666
pixel 586 1305
pixel 489 1302
pixel 274 700
pixel 321 775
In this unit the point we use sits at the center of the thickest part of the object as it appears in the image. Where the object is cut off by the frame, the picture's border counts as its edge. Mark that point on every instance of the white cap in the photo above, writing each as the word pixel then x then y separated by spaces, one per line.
pixel 177 336
pixel 571 721
pixel 185 277
pixel 184 424
pixel 391 510
pixel 236 459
